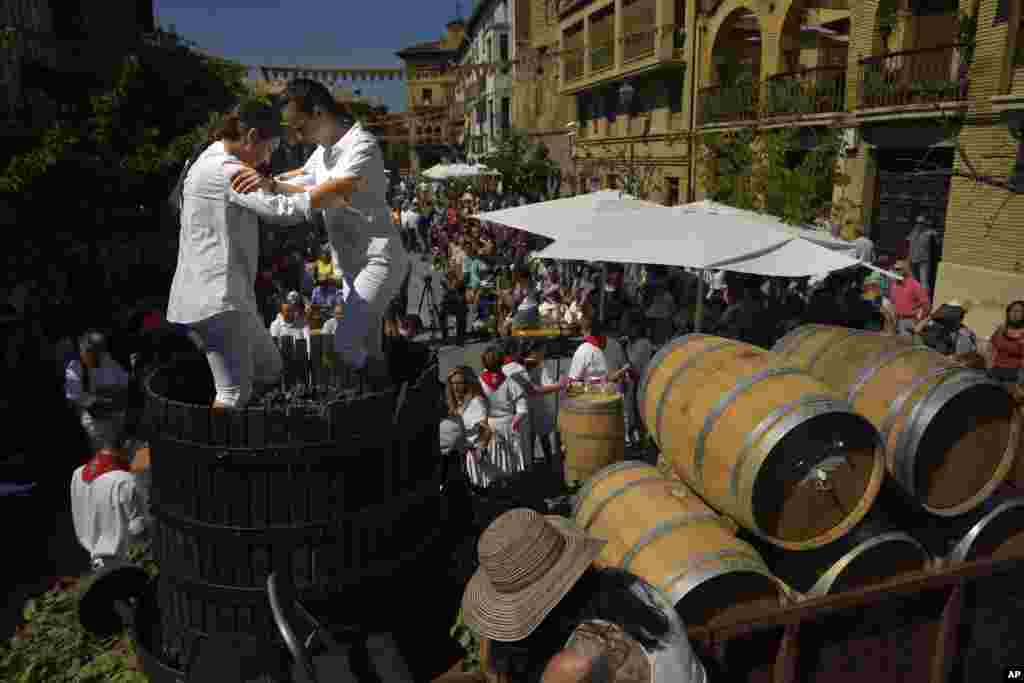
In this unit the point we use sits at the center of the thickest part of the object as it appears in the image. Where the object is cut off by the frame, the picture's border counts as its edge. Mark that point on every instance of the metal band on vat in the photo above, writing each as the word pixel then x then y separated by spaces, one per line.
pixel 824 583
pixel 816 356
pixel 688 365
pixel 725 402
pixel 600 476
pixel 879 362
pixel 963 546
pixel 685 580
pixel 625 488
pixel 897 405
pixel 662 528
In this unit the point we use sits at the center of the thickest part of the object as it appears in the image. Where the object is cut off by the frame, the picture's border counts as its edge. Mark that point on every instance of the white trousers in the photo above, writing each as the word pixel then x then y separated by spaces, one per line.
pixel 366 294
pixel 240 351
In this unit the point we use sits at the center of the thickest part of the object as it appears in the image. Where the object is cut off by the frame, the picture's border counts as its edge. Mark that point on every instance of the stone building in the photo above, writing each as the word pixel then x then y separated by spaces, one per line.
pixel 434 121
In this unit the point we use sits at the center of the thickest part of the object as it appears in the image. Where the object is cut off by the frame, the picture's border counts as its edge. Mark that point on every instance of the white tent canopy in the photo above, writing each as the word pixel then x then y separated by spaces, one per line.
pixel 573 217
pixel 449 171
pixel 610 226
pixel 817 236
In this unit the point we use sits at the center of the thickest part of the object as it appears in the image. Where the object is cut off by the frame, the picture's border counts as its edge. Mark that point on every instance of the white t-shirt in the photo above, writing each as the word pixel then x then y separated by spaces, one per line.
pixel 473 413
pixel 282 328
pixel 364 229
pixel 588 364
pixel 107 512
pixel 507 401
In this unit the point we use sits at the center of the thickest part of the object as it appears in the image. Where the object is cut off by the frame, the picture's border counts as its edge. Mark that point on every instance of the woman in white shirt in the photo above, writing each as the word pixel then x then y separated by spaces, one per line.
pixel 507 418
pixel 466 402
pixel 213 288
pixel 589 363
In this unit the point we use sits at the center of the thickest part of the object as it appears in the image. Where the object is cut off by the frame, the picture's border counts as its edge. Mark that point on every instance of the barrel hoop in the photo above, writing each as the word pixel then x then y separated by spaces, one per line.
pixel 906 444
pixel 850 334
pixel 600 476
pixel 622 490
pixel 762 427
pixel 660 529
pixel 824 583
pixel 783 345
pixel 878 362
pixel 612 407
pixel 659 356
pixel 896 408
pixel 723 404
pixel 732 559
pixel 964 545
pixel 295 533
pixel 685 367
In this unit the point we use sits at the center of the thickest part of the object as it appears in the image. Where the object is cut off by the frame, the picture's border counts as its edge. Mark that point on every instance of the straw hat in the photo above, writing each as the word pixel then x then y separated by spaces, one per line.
pixel 528 562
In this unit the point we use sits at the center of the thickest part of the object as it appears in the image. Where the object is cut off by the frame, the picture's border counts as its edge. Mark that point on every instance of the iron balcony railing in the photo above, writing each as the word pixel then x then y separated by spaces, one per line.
pixel 602 56
pixel 927 76
pixel 818 90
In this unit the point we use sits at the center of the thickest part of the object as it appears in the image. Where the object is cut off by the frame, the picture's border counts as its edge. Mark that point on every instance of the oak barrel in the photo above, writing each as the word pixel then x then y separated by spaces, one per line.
pixel 769 446
pixel 593 429
pixel 874 551
pixel 345 500
pixel 661 531
pixel 950 433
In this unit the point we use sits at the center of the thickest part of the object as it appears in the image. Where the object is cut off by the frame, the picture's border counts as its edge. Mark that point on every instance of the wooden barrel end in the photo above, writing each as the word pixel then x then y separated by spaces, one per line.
pixel 877 559
pixel 961 445
pixel 726 594
pixel 998 535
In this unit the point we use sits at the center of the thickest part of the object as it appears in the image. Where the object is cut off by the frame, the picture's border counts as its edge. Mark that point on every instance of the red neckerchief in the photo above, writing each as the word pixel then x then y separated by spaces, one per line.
pixel 492 379
pixel 600 341
pixel 100 464
pixel 509 359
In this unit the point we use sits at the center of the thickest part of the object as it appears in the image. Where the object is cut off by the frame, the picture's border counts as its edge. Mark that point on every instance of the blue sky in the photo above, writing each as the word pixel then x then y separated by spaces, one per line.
pixel 341 33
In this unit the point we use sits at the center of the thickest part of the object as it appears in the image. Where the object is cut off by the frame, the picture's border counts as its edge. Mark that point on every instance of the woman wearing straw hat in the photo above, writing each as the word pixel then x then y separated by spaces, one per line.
pixel 537 593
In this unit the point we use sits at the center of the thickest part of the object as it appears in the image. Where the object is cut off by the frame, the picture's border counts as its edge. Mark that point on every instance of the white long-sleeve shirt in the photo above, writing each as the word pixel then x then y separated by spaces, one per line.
pixel 282 328
pixel 588 364
pixel 473 414
pixel 218 246
pixel 507 401
pixel 108 513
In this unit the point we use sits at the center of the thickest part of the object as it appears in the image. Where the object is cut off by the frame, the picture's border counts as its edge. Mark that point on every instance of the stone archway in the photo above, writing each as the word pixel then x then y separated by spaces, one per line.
pixel 734 38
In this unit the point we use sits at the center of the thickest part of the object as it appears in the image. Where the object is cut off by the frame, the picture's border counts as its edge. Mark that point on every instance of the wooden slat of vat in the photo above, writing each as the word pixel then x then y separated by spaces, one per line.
pixel 302 360
pixel 316 359
pixel 786 664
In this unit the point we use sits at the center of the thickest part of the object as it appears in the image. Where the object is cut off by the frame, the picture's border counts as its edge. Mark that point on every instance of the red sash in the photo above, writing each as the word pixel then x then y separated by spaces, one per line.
pixel 100 464
pixel 492 379
pixel 599 341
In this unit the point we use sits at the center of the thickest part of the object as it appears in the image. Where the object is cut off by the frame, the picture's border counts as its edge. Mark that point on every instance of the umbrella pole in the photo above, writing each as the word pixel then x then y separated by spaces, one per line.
pixel 698 316
pixel 604 280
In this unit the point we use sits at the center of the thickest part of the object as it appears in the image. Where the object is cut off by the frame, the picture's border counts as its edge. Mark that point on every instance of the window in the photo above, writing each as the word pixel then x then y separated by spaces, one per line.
pixel 1002 12
pixel 503 47
pixel 428 96
pixel 675 91
pixel 613 181
pixel 506 113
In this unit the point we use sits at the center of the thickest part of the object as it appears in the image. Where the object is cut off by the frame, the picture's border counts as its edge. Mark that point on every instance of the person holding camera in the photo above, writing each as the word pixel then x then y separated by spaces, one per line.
pixel 99 389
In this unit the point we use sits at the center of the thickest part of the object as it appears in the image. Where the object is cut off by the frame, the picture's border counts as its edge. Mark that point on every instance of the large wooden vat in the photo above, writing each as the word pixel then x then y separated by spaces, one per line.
pixel 593 430
pixel 770 446
pixel 874 551
pixel 950 433
pixel 661 531
pixel 346 502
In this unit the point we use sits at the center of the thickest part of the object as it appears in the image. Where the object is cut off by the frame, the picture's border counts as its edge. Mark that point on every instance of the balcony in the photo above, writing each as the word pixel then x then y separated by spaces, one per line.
pixel 638 45
pixel 602 56
pixel 728 103
pixel 573 68
pixel 820 90
pixel 913 77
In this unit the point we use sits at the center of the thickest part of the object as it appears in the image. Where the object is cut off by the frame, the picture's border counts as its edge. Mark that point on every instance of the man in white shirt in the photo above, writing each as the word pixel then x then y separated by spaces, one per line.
pixel 108 506
pixel 410 225
pixel 863 247
pixel 94 382
pixel 364 242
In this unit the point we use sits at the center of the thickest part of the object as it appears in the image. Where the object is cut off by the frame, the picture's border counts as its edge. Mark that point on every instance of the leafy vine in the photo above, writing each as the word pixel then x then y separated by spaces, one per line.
pixel 765 170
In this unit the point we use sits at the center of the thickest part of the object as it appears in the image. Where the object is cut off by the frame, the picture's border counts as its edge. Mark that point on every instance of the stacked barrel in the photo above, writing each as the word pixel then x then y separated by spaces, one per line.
pixel 838 460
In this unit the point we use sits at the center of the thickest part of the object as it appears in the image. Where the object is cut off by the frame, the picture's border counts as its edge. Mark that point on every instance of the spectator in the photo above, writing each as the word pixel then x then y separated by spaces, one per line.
pixel 331 324
pixel 326 294
pixel 909 299
pixel 108 506
pixel 325 265
pixel 863 247
pixel 291 322
pixel 1008 346
pixel 568 600
pixel 453 304
pixel 465 398
pixel 921 245
pixel 98 387
pixel 410 226
pixel 639 352
pixel 945 331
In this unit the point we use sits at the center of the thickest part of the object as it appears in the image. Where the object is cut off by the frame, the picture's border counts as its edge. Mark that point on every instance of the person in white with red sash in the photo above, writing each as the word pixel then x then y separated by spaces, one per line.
pixel 590 364
pixel 507 418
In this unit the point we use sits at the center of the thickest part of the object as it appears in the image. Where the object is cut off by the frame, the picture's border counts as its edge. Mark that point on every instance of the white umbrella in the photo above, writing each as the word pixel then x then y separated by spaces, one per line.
pixel 579 216
pixel 449 171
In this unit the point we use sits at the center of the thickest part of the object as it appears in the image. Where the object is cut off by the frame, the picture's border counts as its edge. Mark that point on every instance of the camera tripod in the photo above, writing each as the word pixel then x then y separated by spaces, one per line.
pixel 427 297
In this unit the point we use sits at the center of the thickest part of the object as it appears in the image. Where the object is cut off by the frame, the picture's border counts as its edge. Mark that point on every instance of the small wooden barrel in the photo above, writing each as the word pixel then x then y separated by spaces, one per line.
pixel 875 551
pixel 950 433
pixel 769 446
pixel 661 531
pixel 593 430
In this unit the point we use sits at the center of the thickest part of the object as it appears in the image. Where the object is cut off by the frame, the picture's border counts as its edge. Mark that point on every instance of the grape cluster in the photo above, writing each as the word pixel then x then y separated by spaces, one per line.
pixel 300 396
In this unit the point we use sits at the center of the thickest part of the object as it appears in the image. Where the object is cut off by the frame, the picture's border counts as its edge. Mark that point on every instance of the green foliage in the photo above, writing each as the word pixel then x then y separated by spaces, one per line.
pixel 967 29
pixel 524 165
pixel 51 647
pixel 469 642
pixel 124 144
pixel 887 17
pixel 752 171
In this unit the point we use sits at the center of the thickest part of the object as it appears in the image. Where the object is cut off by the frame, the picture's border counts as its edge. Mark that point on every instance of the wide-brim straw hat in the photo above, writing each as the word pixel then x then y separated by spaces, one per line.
pixel 528 562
